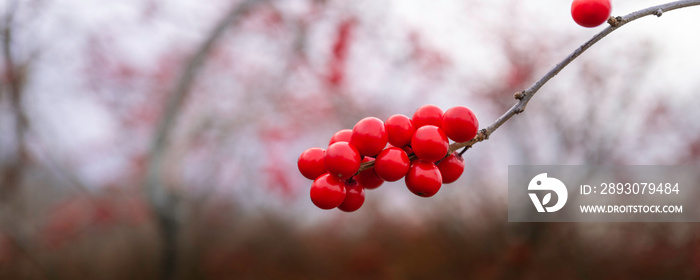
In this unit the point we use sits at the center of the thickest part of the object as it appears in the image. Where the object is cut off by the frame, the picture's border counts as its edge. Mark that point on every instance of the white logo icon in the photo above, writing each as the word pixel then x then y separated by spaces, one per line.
pixel 542 183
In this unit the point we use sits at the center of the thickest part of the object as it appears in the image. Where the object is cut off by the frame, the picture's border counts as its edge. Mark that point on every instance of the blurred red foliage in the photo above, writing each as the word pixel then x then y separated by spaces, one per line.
pixel 339 55
pixel 71 217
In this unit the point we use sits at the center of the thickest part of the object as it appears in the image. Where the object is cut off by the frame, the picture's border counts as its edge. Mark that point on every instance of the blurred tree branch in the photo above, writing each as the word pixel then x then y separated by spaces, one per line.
pixel 163 200
pixel 174 103
pixel 11 175
pixel 524 96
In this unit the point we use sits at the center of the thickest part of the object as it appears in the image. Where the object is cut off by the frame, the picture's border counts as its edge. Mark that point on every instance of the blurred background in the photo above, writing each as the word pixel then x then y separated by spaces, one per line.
pixel 84 85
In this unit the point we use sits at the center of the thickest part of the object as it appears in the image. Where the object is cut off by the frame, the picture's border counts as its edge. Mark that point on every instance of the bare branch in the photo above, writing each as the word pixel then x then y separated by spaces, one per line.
pixel 525 95
pixel 157 194
pixel 11 175
pixel 164 201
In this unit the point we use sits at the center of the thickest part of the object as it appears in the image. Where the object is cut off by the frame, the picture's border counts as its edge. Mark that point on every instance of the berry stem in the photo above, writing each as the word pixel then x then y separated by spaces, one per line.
pixel 462 151
pixel 524 96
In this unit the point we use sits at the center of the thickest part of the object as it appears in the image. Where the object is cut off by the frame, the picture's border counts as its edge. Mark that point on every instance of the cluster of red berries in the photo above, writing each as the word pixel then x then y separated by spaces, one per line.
pixel 415 148
pixel 590 13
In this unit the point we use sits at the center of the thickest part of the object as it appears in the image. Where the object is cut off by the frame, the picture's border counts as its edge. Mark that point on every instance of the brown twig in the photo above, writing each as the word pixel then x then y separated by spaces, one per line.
pixel 524 96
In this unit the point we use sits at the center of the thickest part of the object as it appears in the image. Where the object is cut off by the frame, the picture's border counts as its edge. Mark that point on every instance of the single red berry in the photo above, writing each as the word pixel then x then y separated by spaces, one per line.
pixel 430 143
pixel 451 168
pixel 369 136
pixel 354 196
pixel 460 124
pixel 392 164
pixel 400 130
pixel 427 115
pixel 423 178
pixel 590 13
pixel 310 163
pixel 368 178
pixel 342 160
pixel 342 135
pixel 327 192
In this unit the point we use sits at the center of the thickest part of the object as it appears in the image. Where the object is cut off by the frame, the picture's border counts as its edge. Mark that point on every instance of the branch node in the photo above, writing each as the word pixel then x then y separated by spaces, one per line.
pixel 519 95
pixel 615 21
pixel 659 12
pixel 484 134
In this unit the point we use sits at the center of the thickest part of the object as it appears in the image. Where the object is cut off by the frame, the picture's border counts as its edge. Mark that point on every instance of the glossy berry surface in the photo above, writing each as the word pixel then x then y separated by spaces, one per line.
pixel 342 135
pixel 342 160
pixel 423 178
pixel 590 13
pixel 399 129
pixel 427 115
pixel 451 168
pixel 354 196
pixel 327 192
pixel 369 136
pixel 368 178
pixel 310 163
pixel 460 124
pixel 415 149
pixel 392 164
pixel 429 143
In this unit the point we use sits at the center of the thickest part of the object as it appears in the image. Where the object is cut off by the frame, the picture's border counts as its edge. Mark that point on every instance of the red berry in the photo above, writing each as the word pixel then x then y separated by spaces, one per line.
pixel 369 136
pixel 342 135
pixel 590 13
pixel 342 160
pixel 368 178
pixel 451 168
pixel 327 192
pixel 423 178
pixel 429 143
pixel 400 130
pixel 460 124
pixel 310 163
pixel 354 196
pixel 392 164
pixel 427 115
